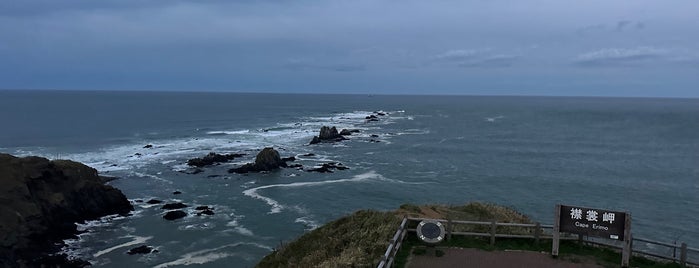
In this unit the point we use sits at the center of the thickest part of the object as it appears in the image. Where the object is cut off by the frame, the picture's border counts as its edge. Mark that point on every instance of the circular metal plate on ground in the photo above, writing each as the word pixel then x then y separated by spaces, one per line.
pixel 430 231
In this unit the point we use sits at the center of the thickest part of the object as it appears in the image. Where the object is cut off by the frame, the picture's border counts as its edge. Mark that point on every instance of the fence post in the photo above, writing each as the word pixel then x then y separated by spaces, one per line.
pixel 556 231
pixel 537 232
pixel 627 250
pixel 683 255
pixel 493 227
pixel 450 227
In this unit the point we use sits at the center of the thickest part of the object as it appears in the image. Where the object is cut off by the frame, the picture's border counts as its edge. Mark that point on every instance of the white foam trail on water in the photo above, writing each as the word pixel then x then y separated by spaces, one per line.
pixel 208 255
pixel 136 240
pixel 144 175
pixel 492 119
pixel 228 132
pixel 312 225
pixel 277 207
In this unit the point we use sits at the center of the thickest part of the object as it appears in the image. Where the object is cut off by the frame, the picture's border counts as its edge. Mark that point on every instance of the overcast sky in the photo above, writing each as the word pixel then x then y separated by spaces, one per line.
pixel 489 47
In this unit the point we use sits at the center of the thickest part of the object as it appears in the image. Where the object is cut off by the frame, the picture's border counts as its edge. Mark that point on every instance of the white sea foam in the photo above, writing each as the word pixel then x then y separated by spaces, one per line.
pixel 144 175
pixel 492 119
pixel 277 207
pixel 208 255
pixel 136 240
pixel 311 224
pixel 228 132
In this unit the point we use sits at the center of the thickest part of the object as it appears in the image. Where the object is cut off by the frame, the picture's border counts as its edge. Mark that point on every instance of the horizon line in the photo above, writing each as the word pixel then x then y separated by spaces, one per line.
pixel 349 93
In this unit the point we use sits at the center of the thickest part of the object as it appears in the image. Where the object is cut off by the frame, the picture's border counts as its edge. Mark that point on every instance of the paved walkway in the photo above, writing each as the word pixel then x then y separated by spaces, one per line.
pixel 466 257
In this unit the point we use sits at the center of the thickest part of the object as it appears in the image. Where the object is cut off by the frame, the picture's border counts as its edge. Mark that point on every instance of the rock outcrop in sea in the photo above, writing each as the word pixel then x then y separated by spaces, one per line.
pixel 211 159
pixel 41 202
pixel 327 134
pixel 266 160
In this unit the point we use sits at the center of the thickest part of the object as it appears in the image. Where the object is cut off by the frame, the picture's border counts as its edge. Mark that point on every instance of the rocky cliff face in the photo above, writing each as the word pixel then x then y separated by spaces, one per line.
pixel 40 201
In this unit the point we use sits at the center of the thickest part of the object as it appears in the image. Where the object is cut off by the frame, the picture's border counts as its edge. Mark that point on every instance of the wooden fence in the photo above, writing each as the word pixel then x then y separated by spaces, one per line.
pixel 538 234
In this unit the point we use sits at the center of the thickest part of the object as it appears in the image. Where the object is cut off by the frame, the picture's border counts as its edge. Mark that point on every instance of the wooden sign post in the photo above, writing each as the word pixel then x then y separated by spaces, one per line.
pixel 601 223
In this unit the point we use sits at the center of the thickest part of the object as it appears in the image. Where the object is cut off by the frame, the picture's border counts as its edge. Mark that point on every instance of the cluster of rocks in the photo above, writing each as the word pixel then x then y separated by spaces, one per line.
pixel 211 159
pixel 328 134
pixel 269 159
pixel 328 167
pixel 42 200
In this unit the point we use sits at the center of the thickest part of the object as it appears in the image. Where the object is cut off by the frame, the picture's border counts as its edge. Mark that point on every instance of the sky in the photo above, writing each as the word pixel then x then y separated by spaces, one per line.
pixel 488 47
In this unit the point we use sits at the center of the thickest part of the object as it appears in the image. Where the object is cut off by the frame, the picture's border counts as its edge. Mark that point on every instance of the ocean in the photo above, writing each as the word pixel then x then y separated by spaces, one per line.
pixel 639 155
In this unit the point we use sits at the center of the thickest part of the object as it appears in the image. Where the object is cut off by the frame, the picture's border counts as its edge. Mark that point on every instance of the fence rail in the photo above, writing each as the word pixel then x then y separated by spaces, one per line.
pixel 389 257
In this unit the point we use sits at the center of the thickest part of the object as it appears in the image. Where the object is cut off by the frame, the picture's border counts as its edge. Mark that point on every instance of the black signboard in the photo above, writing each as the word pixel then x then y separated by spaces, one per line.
pixel 592 222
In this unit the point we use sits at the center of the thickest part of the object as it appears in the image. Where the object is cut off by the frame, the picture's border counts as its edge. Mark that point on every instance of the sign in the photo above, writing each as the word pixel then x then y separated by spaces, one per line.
pixel 592 222
pixel 430 231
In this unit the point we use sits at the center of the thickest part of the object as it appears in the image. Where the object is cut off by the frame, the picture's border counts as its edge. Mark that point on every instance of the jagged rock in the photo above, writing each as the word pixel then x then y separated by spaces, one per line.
pixel 154 201
pixel 267 160
pixel 138 201
pixel 309 154
pixel 192 171
pixel 41 201
pixel 176 192
pixel 379 113
pixel 374 141
pixel 327 134
pixel 328 167
pixel 141 250
pixel 374 136
pixel 315 140
pixel 175 214
pixel 287 159
pixel 295 166
pixel 203 208
pixel 148 146
pixel 369 117
pixel 174 206
pixel 212 158
pixel 347 132
pixel 206 212
pixel 137 154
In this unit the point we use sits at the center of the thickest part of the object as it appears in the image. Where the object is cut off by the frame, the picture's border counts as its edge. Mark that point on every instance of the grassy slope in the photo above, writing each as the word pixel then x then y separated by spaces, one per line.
pixel 360 239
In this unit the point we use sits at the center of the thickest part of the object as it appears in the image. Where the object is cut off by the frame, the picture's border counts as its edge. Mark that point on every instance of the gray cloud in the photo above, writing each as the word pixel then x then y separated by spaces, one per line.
pixel 308 64
pixel 620 56
pixel 195 44
pixel 472 58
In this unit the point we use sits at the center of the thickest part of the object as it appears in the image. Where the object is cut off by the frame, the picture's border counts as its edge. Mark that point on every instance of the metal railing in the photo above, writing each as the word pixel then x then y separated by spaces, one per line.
pixel 393 247
pixel 389 257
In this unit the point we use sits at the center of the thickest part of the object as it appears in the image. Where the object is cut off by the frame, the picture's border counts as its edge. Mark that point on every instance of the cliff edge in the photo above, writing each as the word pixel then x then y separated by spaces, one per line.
pixel 40 202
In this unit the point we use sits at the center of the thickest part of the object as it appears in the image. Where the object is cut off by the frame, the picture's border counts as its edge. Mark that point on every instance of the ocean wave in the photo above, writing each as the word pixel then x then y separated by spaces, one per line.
pixel 228 132
pixel 209 255
pixel 311 224
pixel 135 241
pixel 293 135
pixel 144 175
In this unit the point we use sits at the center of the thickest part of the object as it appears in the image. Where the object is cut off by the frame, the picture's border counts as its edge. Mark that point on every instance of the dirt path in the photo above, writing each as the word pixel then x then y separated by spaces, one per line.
pixel 459 257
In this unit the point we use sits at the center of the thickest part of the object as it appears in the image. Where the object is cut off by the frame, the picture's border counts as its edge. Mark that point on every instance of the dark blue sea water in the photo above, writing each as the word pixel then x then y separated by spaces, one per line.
pixel 529 153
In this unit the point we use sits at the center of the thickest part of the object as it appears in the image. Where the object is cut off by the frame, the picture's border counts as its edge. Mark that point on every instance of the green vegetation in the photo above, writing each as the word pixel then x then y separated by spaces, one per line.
pixel 360 239
pixel 357 240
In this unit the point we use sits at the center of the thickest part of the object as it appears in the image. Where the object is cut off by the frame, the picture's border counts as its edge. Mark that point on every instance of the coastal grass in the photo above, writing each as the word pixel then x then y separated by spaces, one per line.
pixel 357 240
pixel 360 239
